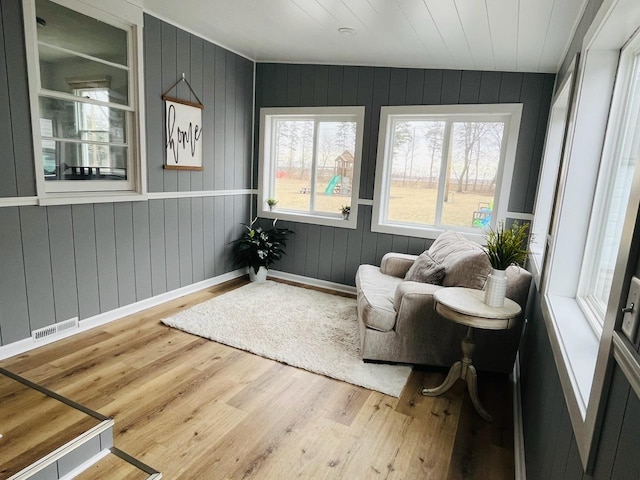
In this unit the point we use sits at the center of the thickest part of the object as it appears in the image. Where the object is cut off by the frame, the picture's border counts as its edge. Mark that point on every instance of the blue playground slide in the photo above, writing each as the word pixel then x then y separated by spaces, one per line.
pixel 332 185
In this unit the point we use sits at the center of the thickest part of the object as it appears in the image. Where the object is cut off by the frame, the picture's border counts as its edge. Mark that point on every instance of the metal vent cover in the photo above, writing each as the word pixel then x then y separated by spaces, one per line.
pixel 44 332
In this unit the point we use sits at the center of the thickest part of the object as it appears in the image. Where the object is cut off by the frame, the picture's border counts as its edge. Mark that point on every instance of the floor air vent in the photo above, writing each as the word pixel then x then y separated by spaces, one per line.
pixel 41 333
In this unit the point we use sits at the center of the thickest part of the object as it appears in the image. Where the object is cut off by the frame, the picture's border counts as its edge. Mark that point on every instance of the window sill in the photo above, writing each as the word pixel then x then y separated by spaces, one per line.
pixel 575 347
pixel 314 219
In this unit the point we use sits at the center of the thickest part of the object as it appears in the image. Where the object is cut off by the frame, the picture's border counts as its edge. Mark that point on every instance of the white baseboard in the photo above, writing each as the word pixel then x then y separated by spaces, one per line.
pixel 518 433
pixel 27 344
pixel 314 282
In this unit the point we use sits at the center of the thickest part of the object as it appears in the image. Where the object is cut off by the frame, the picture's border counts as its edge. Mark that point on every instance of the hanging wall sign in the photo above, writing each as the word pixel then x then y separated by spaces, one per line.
pixel 183 130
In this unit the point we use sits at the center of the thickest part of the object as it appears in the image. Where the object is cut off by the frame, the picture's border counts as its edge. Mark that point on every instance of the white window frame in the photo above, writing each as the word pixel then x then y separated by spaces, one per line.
pixel 593 309
pixel 583 357
pixel 123 15
pixel 560 122
pixel 266 170
pixel 509 113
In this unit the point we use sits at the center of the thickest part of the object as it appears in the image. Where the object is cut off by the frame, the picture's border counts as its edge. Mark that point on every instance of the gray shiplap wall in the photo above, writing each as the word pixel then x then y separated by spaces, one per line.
pixel 550 447
pixel 16 159
pixel 224 84
pixel 334 254
pixel 64 261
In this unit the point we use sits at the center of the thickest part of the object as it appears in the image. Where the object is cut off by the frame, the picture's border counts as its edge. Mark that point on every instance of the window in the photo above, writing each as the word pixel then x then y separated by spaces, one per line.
pixel 547 183
pixel 310 163
pixel 83 76
pixel 444 167
pixel 612 193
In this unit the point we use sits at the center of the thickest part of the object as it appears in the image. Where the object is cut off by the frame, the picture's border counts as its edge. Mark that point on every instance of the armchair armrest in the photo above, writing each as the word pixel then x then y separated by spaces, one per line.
pixel 397 264
pixel 414 292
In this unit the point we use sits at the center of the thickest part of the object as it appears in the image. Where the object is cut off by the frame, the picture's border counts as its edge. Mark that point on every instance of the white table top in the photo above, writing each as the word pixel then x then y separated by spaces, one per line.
pixel 466 306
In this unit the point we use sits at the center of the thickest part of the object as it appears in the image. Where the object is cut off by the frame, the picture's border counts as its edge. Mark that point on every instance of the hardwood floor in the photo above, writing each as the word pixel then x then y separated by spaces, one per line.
pixel 195 409
pixel 25 435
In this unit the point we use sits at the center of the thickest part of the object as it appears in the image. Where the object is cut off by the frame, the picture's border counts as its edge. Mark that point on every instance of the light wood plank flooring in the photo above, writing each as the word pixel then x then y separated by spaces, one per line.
pixel 25 436
pixel 195 409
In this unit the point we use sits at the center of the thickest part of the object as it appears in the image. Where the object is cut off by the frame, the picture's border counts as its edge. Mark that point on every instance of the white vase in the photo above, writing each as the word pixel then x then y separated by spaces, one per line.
pixel 495 289
pixel 259 277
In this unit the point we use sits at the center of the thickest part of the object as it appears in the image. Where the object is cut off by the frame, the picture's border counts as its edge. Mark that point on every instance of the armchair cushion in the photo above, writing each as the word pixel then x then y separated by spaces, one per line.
pixel 426 270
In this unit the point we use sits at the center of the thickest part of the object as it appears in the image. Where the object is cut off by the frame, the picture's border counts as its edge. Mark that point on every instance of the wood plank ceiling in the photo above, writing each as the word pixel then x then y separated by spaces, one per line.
pixel 505 35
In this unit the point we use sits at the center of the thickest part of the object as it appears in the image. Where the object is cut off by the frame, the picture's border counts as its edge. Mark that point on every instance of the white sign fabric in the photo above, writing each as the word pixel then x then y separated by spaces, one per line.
pixel 183 127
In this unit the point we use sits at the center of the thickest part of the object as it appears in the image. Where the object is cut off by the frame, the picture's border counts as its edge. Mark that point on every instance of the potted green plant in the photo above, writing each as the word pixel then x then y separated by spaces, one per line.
pixel 505 247
pixel 258 248
pixel 346 211
pixel 271 202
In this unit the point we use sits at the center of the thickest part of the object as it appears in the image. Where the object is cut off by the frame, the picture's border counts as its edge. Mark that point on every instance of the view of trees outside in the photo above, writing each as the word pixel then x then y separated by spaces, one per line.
pixel 472 160
pixel 293 150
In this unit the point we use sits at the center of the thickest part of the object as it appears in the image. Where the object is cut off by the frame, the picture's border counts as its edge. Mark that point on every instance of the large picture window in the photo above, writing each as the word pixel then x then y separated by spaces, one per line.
pixel 443 168
pixel 83 80
pixel 310 163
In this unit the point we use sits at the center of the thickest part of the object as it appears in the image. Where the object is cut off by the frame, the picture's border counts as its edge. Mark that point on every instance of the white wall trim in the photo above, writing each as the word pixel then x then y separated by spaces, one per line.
pixel 314 282
pixel 18 201
pixel 27 344
pixel 201 193
pixel 518 431
pixel 68 199
pixel 365 201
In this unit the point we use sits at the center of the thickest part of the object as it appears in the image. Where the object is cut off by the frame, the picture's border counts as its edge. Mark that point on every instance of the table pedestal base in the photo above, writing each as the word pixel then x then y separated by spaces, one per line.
pixel 463 369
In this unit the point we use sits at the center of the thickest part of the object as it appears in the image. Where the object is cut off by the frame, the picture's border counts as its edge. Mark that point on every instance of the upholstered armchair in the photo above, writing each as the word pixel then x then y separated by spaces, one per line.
pixel 397 319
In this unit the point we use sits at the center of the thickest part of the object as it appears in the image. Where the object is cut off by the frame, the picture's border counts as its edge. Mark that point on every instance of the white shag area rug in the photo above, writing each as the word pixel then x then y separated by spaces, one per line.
pixel 300 327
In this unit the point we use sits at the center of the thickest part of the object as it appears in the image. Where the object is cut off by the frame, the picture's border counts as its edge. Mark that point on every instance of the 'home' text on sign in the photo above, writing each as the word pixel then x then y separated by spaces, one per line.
pixel 183 127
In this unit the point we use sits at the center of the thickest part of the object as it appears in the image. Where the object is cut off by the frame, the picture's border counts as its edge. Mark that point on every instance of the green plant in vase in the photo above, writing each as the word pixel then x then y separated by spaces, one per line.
pixel 271 202
pixel 505 247
pixel 259 248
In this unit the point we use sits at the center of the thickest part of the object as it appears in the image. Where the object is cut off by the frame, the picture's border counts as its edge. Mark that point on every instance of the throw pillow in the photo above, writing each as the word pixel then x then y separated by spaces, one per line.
pixel 426 270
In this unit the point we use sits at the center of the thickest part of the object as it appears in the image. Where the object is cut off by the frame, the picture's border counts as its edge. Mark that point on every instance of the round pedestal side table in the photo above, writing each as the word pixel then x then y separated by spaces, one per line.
pixel 466 306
